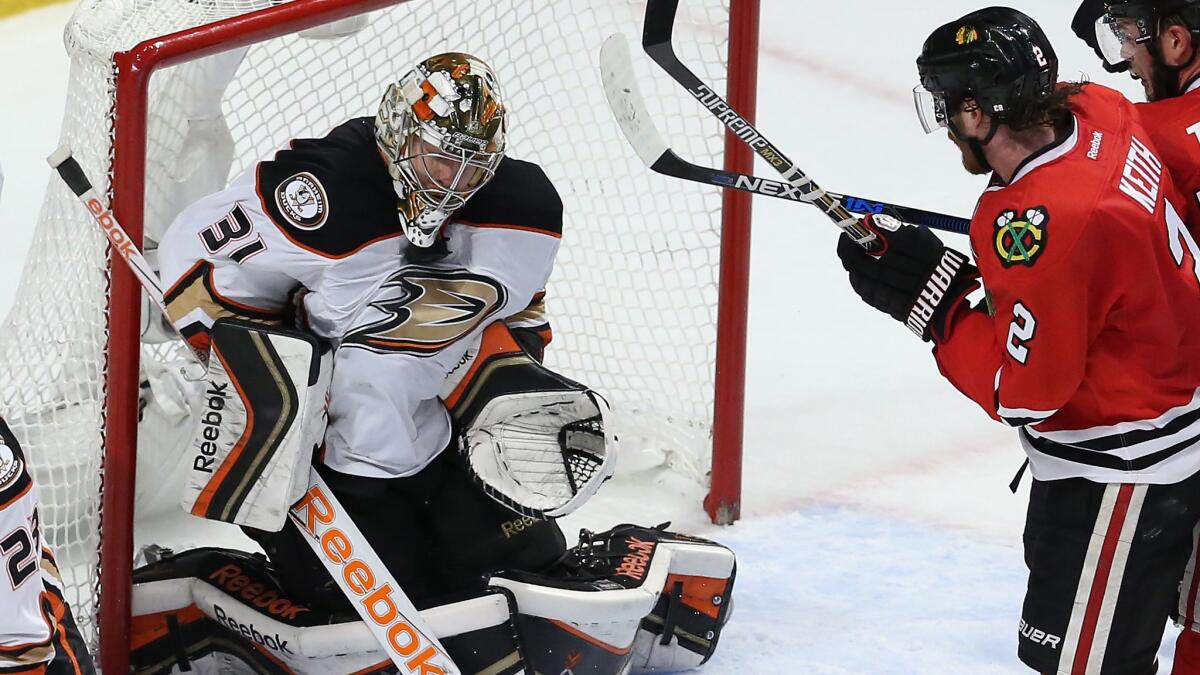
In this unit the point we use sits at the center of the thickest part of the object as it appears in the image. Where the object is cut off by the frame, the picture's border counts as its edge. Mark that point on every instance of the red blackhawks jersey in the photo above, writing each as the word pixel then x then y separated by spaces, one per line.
pixel 1173 125
pixel 1091 344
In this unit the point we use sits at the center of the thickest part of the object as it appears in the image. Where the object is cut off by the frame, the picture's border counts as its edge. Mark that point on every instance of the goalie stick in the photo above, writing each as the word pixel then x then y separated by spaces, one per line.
pixel 641 132
pixel 397 625
pixel 367 583
pixel 62 161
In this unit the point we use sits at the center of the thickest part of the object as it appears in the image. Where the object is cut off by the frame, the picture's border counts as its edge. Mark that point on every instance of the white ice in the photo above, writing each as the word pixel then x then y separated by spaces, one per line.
pixel 878 533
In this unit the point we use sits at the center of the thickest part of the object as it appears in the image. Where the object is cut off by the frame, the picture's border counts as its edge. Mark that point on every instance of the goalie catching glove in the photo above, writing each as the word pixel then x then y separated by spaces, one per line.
pixel 915 279
pixel 533 440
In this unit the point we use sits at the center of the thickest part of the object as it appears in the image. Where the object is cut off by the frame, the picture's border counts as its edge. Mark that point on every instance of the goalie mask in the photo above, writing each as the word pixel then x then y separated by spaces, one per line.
pixel 441 130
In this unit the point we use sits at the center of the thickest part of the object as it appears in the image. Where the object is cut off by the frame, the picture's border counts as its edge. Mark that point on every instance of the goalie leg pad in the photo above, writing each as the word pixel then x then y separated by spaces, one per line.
pixel 221 611
pixel 634 597
pixel 695 590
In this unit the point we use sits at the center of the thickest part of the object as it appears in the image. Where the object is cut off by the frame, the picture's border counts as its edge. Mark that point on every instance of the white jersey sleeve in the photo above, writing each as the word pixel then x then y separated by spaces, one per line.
pixel 386 419
pixel 226 256
pixel 223 256
pixel 27 628
pixel 319 215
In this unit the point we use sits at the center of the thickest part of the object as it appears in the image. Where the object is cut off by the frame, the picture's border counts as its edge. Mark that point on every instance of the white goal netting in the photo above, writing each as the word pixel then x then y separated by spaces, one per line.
pixel 633 299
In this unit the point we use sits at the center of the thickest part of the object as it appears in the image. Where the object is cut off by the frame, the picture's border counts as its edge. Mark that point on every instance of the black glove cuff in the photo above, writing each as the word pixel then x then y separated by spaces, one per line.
pixel 945 284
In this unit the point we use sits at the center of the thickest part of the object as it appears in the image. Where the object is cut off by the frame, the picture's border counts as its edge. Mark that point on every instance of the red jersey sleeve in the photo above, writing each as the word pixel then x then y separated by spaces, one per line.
pixel 1026 359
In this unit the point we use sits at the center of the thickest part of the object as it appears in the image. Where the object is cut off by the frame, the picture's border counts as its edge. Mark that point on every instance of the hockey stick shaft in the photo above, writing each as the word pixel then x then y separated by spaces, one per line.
pixel 656 40
pixel 639 129
pixel 367 583
pixel 73 175
pixel 672 165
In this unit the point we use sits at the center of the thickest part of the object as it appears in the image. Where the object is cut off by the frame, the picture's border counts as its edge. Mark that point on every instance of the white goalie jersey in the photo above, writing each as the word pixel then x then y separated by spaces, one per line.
pixel 386 418
pixel 319 216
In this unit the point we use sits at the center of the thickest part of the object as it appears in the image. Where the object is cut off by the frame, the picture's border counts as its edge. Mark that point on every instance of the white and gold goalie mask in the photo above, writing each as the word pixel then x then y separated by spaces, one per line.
pixel 441 129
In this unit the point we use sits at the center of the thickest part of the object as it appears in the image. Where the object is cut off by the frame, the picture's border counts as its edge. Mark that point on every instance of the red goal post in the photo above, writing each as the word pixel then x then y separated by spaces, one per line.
pixel 134 71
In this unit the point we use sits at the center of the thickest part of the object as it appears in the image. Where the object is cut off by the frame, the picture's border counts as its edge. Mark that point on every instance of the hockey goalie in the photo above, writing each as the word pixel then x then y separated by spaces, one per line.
pixel 372 307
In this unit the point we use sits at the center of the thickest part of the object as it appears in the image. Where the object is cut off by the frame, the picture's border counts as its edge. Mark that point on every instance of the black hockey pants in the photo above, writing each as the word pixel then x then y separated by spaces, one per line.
pixel 437 532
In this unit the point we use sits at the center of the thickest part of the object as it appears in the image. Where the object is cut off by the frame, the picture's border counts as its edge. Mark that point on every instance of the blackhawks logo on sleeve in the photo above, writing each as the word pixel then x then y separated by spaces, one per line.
pixel 1021 237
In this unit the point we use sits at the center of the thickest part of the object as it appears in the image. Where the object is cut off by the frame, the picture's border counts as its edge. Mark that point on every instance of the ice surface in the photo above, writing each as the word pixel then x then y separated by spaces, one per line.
pixel 878 534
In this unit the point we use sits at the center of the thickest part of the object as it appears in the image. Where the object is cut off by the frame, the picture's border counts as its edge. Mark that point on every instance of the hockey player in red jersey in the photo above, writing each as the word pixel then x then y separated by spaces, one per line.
pixel 1158 42
pixel 1088 340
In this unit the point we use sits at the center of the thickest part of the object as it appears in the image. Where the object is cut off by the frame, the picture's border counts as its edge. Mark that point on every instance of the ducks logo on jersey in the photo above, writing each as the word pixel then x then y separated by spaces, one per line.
pixel 428 310
pixel 10 467
pixel 302 199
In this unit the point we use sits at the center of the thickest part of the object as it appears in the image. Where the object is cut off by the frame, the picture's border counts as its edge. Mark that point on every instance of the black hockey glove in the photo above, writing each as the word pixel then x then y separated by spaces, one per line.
pixel 914 280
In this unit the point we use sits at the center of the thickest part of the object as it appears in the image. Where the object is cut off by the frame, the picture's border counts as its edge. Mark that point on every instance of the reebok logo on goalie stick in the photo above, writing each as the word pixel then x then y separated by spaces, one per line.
pixel 934 293
pixel 103 216
pixel 315 514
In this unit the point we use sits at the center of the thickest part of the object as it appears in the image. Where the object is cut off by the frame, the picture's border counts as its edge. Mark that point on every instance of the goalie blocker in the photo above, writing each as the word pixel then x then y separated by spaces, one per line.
pixel 261 416
pixel 633 599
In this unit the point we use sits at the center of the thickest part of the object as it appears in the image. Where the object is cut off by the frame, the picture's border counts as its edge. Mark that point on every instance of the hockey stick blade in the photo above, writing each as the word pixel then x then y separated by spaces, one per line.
pixel 65 164
pixel 636 123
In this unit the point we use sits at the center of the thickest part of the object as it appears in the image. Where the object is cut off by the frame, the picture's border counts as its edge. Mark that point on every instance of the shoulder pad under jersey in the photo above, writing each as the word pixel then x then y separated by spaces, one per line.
pixel 519 195
pixel 331 195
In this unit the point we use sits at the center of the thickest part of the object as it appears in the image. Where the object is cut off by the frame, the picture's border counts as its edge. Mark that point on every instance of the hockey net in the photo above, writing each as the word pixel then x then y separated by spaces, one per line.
pixel 633 299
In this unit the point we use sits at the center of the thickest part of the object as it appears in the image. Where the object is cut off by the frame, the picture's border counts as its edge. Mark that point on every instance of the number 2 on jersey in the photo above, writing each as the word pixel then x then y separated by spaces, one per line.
pixel 1179 238
pixel 1020 333
pixel 19 555
pixel 229 229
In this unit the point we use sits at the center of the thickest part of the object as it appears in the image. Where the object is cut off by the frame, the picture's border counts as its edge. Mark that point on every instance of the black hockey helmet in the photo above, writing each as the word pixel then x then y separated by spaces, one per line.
pixel 1138 21
pixel 998 56
pixel 1086 24
pixel 1189 10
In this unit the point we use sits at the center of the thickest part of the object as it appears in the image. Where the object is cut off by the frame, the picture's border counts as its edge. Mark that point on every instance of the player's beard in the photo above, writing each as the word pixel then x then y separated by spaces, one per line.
pixel 969 160
pixel 1158 80
pixel 1163 83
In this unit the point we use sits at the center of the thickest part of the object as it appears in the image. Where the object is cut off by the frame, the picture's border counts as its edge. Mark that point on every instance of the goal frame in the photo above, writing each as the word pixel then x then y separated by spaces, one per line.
pixel 135 68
